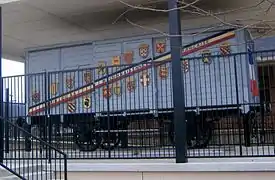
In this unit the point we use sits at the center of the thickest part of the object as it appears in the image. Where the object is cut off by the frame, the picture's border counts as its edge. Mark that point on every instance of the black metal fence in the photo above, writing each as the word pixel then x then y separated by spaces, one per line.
pixel 29 157
pixel 229 108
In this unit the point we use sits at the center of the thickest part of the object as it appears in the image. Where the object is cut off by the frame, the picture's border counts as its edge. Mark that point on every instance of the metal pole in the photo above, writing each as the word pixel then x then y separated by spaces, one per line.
pixel 178 87
pixel 6 125
pixel 1 95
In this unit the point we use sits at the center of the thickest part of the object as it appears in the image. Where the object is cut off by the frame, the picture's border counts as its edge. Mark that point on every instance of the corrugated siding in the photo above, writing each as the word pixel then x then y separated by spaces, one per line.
pixel 200 77
pixel 44 60
pixel 267 43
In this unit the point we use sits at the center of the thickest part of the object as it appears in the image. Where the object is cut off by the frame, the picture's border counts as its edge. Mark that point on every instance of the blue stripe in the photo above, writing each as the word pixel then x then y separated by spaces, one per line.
pixel 250 57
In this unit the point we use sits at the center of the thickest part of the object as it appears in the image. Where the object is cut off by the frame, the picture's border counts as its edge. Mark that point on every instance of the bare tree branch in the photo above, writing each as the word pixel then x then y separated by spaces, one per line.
pixel 157 10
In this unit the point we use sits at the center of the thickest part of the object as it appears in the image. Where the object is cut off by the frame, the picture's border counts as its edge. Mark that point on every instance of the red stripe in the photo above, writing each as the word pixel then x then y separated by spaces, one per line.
pixel 184 53
pixel 254 88
pixel 63 100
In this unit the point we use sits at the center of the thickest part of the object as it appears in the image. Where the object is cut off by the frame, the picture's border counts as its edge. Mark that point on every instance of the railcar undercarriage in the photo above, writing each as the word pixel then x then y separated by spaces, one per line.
pixel 90 132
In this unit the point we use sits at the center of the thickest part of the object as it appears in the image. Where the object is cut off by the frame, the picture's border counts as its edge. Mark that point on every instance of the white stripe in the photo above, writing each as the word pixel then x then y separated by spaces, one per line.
pixel 128 71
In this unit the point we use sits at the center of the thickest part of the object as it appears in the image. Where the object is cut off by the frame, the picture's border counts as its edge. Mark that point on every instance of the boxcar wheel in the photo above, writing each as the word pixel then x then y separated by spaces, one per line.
pixel 198 134
pixel 113 143
pixel 87 139
pixel 203 136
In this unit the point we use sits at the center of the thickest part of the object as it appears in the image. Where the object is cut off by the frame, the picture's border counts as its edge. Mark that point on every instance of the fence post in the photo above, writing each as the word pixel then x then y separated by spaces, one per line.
pixel 108 112
pixel 6 124
pixel 238 104
pixel 1 95
pixel 47 112
pixel 177 81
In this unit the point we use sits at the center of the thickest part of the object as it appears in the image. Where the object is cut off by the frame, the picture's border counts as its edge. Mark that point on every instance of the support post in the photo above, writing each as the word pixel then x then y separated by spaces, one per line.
pixel 1 95
pixel 178 85
pixel 6 125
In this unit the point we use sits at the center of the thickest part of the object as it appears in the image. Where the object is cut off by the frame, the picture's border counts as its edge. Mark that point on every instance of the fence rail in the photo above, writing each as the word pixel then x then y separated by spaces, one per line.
pixel 127 111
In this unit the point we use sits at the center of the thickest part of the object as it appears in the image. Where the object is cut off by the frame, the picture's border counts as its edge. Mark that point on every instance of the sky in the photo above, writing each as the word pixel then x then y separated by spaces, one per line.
pixel 11 68
pixel 16 85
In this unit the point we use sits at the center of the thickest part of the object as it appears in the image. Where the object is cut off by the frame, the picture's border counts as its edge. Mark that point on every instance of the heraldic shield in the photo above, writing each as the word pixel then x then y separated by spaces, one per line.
pixel 107 92
pixel 71 106
pixel 70 82
pixel 116 60
pixel 128 57
pixel 131 84
pixel 87 77
pixel 160 46
pixel 225 49
pixel 86 102
pixel 163 72
pixel 36 96
pixel 206 57
pixel 117 89
pixel 144 50
pixel 54 88
pixel 101 69
pixel 145 79
pixel 185 65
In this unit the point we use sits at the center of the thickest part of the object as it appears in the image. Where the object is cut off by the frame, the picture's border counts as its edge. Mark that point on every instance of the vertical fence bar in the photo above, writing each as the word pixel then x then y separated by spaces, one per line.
pixel 49 118
pixel 108 112
pixel 6 124
pixel 1 94
pixel 177 81
pixel 65 167
pixel 238 105
pixel 46 116
pixel 247 120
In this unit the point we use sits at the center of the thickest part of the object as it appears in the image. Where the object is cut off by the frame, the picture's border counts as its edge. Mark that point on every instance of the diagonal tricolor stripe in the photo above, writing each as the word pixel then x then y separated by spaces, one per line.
pixel 194 47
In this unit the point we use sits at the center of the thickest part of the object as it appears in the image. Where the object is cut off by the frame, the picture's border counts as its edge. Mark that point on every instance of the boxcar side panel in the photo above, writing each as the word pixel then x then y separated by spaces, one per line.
pixel 139 87
pixel 38 62
pixel 77 57
pixel 42 61
pixel 152 88
pixel 104 55
pixel 213 83
pixel 72 59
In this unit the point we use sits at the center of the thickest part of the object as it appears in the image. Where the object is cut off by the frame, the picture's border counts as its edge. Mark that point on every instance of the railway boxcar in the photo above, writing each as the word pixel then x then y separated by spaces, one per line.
pixel 128 77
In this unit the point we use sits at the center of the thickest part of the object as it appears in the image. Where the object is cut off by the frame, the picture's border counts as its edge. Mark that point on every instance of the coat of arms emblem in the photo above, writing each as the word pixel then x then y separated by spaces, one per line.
pixel 116 60
pixel 128 57
pixel 163 72
pixel 53 89
pixel 71 106
pixel 117 89
pixel 70 82
pixel 130 84
pixel 144 50
pixel 145 79
pixel 185 65
pixel 36 96
pixel 107 92
pixel 101 69
pixel 161 46
pixel 206 56
pixel 225 49
pixel 87 77
pixel 86 102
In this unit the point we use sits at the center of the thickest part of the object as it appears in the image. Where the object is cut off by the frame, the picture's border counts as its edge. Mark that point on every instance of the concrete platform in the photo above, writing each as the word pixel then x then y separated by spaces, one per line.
pixel 145 153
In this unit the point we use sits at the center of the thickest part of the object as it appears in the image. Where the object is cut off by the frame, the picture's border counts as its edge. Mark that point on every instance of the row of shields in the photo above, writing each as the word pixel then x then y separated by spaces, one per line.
pixel 128 56
pixel 113 89
pixel 86 103
pixel 130 82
